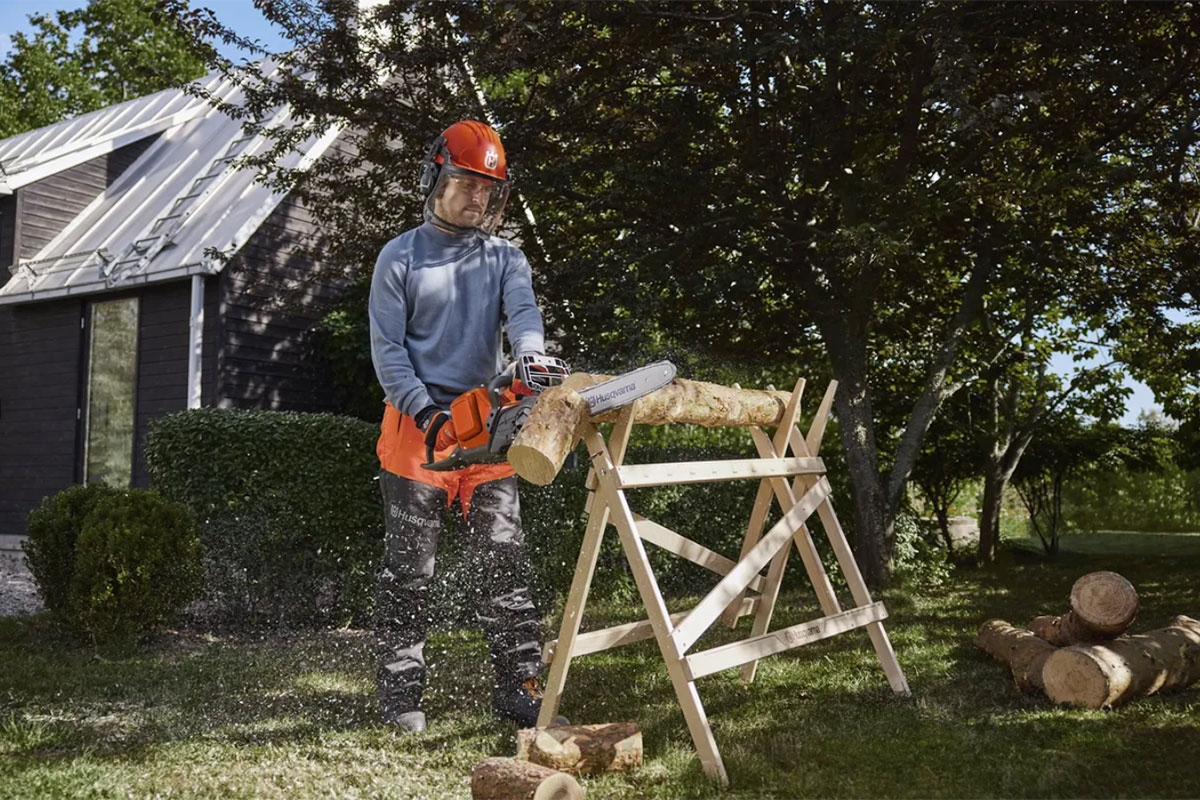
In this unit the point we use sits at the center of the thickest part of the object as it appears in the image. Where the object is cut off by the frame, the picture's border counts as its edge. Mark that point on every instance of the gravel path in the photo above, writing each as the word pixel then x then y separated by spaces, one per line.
pixel 18 595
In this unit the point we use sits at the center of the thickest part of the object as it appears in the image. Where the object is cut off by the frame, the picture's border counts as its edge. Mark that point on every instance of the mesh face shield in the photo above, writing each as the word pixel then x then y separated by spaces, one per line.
pixel 464 201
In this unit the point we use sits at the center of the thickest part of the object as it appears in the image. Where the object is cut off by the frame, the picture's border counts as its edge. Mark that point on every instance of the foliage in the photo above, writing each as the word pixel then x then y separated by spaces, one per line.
pixel 50 547
pixel 1066 449
pixel 345 345
pixel 137 564
pixel 103 53
pixel 921 561
pixel 951 460
pixel 288 508
pixel 753 183
pixel 1142 485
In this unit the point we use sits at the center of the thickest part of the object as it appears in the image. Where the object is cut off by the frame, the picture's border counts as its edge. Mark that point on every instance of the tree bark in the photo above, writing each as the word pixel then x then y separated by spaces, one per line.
pixel 873 520
pixel 510 779
pixel 1103 606
pixel 989 516
pixel 1105 675
pixel 1023 652
pixel 1001 466
pixel 552 428
pixel 583 749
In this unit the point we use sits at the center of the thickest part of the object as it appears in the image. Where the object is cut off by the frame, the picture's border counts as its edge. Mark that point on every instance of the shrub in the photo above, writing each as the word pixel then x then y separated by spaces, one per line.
pixel 53 529
pixel 287 505
pixel 137 564
pixel 918 560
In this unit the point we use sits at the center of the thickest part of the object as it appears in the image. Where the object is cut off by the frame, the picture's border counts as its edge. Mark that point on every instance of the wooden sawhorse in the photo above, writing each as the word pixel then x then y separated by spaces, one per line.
pixel 807 493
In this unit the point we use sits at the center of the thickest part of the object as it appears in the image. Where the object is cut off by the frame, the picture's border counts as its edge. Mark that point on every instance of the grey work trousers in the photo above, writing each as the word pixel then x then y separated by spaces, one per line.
pixel 500 571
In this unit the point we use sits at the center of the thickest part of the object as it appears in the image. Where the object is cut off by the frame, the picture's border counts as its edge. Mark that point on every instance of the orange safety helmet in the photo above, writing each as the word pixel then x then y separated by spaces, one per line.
pixel 466 148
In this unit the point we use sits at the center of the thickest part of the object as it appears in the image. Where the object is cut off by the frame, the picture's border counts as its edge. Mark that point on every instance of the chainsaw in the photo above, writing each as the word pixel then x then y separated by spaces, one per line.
pixel 488 418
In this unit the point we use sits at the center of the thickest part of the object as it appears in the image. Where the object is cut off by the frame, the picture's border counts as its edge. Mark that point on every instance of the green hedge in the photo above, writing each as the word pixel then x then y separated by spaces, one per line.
pixel 291 521
pixel 287 505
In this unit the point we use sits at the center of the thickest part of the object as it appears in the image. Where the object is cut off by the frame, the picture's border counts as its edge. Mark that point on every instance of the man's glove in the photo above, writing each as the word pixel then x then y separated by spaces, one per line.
pixel 438 428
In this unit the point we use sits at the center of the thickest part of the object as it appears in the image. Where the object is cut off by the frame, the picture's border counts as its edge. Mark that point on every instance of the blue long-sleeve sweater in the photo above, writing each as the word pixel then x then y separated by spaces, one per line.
pixel 437 304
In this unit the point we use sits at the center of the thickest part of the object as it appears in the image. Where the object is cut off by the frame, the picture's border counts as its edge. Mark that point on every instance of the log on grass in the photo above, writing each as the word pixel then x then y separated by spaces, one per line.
pixel 1023 652
pixel 583 749
pixel 554 424
pixel 510 779
pixel 1105 675
pixel 1103 605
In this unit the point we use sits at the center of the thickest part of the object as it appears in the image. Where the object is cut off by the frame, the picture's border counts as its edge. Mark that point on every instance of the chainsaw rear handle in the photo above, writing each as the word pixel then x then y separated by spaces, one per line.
pixel 495 387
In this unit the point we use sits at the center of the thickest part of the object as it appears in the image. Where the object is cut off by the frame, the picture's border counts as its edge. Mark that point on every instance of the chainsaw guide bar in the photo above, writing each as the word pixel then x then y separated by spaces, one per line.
pixel 624 389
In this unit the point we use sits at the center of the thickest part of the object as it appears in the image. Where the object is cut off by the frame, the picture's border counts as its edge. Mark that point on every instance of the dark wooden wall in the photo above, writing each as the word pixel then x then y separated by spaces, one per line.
pixel 39 401
pixel 271 299
pixel 49 204
pixel 162 361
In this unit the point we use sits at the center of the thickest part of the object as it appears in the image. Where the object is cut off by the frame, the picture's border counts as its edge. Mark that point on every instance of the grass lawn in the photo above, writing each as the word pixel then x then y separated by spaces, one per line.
pixel 293 716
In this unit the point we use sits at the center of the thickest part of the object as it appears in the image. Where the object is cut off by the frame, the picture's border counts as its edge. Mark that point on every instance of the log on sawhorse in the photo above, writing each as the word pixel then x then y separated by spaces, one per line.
pixel 805 494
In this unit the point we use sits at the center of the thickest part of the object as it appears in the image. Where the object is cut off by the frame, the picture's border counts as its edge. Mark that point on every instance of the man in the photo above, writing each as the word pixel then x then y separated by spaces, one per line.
pixel 438 297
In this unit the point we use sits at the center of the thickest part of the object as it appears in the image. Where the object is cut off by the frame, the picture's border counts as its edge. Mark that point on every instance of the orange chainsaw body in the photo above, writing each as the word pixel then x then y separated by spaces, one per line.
pixel 469 412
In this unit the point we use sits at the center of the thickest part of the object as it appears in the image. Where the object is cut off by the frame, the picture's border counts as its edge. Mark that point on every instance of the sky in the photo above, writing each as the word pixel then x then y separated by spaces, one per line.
pixel 247 21
pixel 237 14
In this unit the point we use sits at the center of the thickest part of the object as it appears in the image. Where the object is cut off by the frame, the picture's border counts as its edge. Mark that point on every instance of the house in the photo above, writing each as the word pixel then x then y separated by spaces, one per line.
pixel 116 303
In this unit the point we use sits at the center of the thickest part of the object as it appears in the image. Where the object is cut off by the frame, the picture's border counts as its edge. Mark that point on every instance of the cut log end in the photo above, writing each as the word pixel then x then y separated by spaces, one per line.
pixel 532 465
pixel 510 779
pixel 1074 677
pixel 1104 602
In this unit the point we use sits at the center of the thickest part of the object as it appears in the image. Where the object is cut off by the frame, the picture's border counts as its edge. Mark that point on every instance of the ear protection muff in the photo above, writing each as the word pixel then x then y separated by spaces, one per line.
pixel 430 169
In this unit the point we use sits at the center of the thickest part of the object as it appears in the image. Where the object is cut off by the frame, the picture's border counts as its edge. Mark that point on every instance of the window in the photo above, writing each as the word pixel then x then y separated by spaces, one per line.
pixel 111 384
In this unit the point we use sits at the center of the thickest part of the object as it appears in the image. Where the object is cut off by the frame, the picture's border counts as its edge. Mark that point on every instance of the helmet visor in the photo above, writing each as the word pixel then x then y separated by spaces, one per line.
pixel 467 200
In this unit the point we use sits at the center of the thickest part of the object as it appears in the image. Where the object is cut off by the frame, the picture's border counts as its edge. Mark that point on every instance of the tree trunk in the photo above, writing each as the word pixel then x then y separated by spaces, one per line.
pixel 583 749
pixel 943 522
pixel 989 518
pixel 510 779
pixel 1105 675
pixel 873 524
pixel 1023 652
pixel 1103 606
pixel 552 428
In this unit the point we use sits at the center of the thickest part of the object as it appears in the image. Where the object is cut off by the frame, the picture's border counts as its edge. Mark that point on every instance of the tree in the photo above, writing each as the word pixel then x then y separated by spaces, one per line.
pixel 77 61
pixel 1065 451
pixel 952 456
pixel 744 181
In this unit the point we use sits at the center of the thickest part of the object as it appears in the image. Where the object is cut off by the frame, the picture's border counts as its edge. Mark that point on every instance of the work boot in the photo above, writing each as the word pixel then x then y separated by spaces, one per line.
pixel 409 721
pixel 521 703
pixel 402 716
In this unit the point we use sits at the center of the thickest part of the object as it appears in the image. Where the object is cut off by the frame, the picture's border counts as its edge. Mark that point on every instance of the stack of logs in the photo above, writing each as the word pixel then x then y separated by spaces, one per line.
pixel 547 758
pixel 1083 658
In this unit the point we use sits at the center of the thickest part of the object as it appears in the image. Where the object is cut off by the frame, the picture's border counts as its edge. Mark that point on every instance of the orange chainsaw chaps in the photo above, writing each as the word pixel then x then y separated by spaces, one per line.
pixel 401 450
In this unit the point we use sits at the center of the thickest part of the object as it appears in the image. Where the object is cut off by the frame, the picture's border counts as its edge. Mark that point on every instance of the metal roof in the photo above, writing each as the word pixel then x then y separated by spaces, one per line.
pixel 182 197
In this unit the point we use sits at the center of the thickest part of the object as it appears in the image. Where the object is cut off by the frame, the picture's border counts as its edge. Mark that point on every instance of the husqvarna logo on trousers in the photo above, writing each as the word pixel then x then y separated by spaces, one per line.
pixel 396 512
